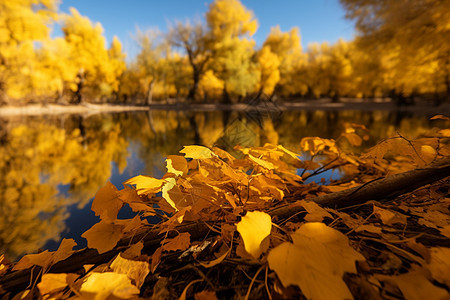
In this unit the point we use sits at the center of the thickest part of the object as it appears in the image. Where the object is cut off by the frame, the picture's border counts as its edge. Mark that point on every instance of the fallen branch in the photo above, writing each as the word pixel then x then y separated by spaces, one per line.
pixel 383 188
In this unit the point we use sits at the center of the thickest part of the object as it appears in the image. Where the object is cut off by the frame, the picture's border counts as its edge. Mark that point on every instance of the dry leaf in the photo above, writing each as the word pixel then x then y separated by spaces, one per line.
pixel 254 227
pixel 156 259
pixel 415 286
pixel 103 236
pixel 197 152
pixel 316 262
pixel 439 265
pixel 315 212
pixel 46 259
pixel 389 217
pixel 135 270
pixel 176 165
pixel 102 286
pixel 106 203
pixel 180 242
pixel 134 250
pixel 262 163
pixel 146 184
pixel 205 295
pixel 51 283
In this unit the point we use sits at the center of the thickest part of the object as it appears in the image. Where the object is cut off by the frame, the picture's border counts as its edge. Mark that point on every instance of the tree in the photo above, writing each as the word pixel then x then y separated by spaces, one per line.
pixel 231 26
pixel 23 26
pixel 416 29
pixel 195 40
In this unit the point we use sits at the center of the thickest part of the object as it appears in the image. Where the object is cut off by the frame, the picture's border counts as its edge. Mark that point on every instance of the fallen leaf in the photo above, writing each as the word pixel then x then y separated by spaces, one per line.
pixel 439 265
pixel 315 212
pixel 176 165
pixel 146 184
pixel 134 250
pixel 197 152
pixel 389 217
pixel 415 286
pixel 216 261
pixel 262 163
pixel 254 227
pixel 135 270
pixel 102 286
pixel 156 259
pixel 46 259
pixel 107 203
pixel 180 242
pixel 205 295
pixel 316 262
pixel 103 236
pixel 51 283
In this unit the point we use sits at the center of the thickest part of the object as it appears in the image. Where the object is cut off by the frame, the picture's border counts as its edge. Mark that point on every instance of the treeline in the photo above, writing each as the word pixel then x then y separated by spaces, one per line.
pixel 401 51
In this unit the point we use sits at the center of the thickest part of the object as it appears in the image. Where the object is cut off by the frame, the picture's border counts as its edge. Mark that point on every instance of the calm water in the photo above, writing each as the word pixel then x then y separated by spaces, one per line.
pixel 51 167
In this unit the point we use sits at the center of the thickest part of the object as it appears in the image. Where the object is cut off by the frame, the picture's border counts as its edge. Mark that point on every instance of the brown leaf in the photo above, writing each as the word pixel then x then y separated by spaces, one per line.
pixel 415 286
pixel 135 270
pixel 107 203
pixel 389 217
pixel 315 212
pixel 439 265
pixel 103 236
pixel 51 283
pixel 180 242
pixel 156 259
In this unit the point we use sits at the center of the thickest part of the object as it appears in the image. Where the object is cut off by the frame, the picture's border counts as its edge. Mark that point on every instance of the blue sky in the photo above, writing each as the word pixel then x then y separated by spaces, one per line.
pixel 318 20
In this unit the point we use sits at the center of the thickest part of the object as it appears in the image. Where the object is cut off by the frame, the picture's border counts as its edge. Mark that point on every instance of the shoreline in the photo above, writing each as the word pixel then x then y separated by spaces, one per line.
pixel 320 104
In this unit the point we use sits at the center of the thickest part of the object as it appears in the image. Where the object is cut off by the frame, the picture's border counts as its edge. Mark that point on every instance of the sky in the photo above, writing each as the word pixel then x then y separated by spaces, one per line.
pixel 318 20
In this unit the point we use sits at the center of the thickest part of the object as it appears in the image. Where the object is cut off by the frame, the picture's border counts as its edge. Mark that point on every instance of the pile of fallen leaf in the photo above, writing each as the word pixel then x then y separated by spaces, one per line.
pixel 220 236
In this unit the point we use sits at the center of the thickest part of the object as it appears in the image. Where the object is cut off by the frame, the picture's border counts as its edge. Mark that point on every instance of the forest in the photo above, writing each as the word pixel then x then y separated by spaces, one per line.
pixel 400 51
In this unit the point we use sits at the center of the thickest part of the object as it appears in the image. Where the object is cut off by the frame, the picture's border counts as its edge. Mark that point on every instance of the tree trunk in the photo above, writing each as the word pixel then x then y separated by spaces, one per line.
pixel 150 92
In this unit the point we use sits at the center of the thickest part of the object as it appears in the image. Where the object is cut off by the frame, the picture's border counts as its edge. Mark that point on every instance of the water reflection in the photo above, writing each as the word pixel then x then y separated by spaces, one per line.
pixel 51 167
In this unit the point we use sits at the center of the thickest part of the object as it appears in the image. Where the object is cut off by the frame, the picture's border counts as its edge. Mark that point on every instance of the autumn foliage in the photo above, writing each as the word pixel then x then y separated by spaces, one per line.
pixel 401 50
pixel 221 235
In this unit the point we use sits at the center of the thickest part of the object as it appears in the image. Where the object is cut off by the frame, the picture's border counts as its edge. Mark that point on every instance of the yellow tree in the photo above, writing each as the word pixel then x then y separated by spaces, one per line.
pixel 417 29
pixel 268 64
pixel 97 69
pixel 22 24
pixel 231 26
pixel 195 41
pixel 287 47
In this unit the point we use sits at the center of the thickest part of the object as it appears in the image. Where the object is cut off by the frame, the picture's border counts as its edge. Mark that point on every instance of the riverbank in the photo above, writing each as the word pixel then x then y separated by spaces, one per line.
pixel 320 104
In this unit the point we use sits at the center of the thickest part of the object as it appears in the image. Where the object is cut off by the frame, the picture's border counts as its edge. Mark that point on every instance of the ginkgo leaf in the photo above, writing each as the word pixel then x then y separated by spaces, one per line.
pixel 176 165
pixel 106 203
pixel 316 262
pixel 197 152
pixel 102 286
pixel 180 242
pixel 135 270
pixel 46 258
pixel 262 163
pixel 146 184
pixel 103 236
pixel 254 227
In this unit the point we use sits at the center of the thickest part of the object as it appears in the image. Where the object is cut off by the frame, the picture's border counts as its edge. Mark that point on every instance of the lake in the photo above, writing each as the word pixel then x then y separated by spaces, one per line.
pixel 52 166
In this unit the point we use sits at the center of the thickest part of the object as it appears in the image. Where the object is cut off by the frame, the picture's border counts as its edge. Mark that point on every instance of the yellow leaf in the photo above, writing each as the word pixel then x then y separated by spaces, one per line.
pixel 216 261
pixel 146 184
pixel 52 283
pixel 103 236
pixel 439 265
pixel 316 262
pixel 176 165
pixel 46 258
pixel 389 217
pixel 254 227
pixel 135 270
pixel 180 242
pixel 102 286
pixel 135 250
pixel 315 212
pixel 106 203
pixel 197 152
pixel 415 286
pixel 262 163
